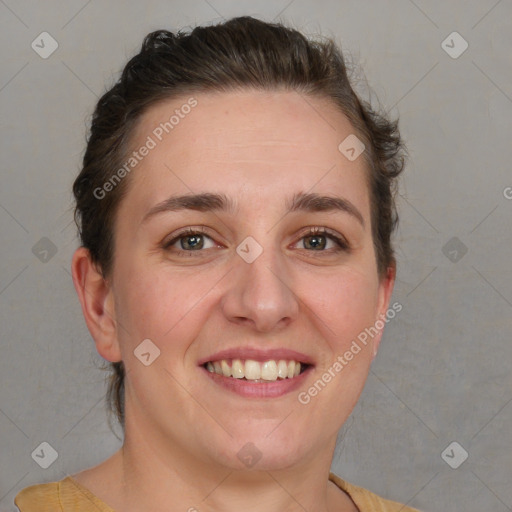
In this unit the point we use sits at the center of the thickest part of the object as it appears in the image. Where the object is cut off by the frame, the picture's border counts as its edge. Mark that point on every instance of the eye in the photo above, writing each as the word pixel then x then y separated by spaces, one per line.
pixel 317 239
pixel 190 240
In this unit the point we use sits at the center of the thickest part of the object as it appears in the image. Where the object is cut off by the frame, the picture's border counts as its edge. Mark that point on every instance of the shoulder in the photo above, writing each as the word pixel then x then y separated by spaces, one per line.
pixel 63 496
pixel 39 498
pixel 366 500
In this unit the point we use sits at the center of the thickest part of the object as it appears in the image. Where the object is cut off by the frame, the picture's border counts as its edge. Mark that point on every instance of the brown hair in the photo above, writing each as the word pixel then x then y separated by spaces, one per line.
pixel 240 53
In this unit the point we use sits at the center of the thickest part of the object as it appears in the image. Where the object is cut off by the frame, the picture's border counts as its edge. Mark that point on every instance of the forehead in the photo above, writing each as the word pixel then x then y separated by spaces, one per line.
pixel 258 140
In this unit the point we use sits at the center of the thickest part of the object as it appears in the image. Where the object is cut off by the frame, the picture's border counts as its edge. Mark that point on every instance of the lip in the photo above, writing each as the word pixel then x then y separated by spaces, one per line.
pixel 248 389
pixel 259 355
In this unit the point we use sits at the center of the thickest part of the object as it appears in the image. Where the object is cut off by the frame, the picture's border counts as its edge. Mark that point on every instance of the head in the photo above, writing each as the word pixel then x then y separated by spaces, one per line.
pixel 252 113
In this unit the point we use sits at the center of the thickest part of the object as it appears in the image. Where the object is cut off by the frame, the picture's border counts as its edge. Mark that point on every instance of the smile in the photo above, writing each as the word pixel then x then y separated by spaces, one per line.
pixel 256 371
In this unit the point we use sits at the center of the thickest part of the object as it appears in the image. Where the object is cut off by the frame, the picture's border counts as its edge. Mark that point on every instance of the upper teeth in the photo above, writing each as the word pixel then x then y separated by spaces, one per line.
pixel 254 370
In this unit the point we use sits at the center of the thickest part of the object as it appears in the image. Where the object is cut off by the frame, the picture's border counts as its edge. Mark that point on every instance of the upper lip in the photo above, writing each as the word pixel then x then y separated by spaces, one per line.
pixel 257 354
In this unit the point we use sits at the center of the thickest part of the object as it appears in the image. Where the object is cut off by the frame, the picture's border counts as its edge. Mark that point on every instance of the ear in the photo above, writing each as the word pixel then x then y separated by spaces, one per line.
pixel 97 300
pixel 386 285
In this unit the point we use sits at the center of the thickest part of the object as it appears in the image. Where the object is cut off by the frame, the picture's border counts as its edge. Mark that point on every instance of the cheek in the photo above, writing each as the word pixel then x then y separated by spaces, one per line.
pixel 346 302
pixel 166 308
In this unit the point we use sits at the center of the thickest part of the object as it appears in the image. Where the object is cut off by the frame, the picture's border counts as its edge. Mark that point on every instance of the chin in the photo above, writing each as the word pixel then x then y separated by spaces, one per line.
pixel 263 452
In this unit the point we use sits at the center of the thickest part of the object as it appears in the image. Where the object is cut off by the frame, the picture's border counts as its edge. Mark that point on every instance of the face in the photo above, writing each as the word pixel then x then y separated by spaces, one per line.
pixel 251 287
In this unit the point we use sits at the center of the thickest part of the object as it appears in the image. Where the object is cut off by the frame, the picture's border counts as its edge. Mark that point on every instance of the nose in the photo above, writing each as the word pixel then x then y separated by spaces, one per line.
pixel 261 293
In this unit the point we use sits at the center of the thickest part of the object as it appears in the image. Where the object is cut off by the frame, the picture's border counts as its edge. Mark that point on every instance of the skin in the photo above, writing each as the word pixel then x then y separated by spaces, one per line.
pixel 183 431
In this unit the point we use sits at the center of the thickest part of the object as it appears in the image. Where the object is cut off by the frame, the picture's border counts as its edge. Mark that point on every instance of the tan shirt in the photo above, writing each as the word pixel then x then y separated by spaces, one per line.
pixel 68 495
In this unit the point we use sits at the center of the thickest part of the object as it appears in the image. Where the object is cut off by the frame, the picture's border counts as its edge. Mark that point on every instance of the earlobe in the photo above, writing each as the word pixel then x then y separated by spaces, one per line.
pixel 97 301
pixel 386 285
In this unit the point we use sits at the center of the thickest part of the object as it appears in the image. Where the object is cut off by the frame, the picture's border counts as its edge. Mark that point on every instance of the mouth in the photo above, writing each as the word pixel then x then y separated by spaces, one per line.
pixel 257 371
pixel 254 373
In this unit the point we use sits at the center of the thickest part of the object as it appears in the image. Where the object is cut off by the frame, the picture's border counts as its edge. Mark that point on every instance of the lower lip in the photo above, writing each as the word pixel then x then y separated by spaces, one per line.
pixel 271 389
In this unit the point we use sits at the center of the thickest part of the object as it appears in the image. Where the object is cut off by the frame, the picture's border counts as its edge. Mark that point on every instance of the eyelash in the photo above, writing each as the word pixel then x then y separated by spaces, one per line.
pixel 342 244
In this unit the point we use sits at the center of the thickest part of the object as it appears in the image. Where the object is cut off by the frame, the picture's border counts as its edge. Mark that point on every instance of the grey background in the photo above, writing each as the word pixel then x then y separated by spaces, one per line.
pixel 443 370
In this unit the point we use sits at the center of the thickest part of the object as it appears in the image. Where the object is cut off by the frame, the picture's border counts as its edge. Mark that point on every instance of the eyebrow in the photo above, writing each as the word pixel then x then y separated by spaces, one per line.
pixel 210 202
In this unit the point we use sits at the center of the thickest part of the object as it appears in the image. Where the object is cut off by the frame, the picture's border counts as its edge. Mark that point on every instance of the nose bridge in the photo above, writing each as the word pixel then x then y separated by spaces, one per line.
pixel 261 290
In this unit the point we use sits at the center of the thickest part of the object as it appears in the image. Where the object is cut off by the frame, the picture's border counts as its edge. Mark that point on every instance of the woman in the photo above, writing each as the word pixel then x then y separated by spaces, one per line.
pixel 235 208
